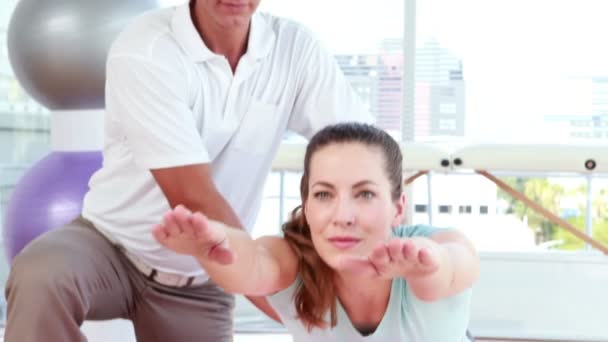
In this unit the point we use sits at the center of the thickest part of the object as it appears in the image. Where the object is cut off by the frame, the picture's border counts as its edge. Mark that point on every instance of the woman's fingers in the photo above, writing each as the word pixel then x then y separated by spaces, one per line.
pixel 160 233
pixel 394 248
pixel 429 259
pixel 409 250
pixel 190 233
pixel 171 225
pixel 199 226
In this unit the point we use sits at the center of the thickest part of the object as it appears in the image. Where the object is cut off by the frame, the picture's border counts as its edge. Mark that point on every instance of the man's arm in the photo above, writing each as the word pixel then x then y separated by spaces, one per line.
pixel 193 187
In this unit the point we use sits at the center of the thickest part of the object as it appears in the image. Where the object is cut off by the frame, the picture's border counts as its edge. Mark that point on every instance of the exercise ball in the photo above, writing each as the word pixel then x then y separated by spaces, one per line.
pixel 48 196
pixel 58 48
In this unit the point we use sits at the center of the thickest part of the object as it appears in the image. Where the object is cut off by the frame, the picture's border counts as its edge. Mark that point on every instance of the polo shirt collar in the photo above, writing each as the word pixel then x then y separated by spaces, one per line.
pixel 261 36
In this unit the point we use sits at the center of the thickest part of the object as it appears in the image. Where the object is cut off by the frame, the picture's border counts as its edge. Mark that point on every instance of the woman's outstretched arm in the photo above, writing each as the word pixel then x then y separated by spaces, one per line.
pixel 440 266
pixel 456 260
pixel 235 261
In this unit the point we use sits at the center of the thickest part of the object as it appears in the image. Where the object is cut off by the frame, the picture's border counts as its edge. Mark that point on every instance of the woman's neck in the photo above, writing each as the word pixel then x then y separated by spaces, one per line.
pixel 365 300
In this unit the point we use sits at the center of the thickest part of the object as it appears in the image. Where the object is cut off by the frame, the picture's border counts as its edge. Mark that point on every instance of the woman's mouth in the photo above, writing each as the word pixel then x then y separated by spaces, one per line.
pixel 344 242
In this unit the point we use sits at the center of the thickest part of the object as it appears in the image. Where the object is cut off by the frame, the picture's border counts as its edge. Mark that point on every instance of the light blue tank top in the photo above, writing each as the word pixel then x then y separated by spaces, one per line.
pixel 406 318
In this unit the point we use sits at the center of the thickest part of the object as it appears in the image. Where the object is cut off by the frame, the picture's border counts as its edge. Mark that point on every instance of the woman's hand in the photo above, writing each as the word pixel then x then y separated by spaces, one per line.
pixel 194 234
pixel 407 258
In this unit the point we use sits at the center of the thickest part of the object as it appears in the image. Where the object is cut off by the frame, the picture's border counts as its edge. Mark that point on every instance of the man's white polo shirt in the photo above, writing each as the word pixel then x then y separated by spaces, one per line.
pixel 170 101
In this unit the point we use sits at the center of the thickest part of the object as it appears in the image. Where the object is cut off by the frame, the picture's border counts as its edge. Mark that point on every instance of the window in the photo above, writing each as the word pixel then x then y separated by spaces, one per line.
pixel 447 124
pixel 502 92
pixel 24 131
pixel 445 209
pixel 483 209
pixel 447 108
pixel 464 209
pixel 420 208
pixel 371 55
pixel 446 91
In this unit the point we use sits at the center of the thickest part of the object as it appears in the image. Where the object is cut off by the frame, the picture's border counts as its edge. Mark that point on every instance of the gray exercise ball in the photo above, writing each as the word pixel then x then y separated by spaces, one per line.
pixel 58 48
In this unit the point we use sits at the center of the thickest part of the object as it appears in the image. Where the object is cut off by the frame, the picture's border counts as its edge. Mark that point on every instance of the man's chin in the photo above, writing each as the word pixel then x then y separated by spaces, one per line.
pixel 235 22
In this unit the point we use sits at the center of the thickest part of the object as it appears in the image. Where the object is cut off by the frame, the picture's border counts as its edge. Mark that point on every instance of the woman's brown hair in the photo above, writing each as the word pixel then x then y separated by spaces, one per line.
pixel 316 294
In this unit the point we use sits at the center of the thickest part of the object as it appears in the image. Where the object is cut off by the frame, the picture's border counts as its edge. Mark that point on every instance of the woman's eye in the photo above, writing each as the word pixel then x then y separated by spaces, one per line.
pixel 321 195
pixel 366 194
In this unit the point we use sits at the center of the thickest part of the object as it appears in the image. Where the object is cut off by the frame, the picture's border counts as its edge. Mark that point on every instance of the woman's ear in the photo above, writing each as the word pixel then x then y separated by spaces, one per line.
pixel 399 212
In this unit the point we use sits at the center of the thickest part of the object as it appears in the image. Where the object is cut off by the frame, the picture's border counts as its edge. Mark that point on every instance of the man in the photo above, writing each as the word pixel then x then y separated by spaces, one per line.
pixel 198 99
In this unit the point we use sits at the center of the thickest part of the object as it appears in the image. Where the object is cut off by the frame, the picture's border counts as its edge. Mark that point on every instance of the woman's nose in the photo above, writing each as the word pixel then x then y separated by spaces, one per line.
pixel 345 213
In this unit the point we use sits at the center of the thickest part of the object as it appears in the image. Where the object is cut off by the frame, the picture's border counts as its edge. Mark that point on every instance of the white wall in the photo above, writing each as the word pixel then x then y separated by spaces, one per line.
pixel 545 295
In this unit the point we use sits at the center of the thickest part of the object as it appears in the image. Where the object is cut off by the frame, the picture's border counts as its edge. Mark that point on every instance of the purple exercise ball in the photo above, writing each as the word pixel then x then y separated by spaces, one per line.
pixel 48 196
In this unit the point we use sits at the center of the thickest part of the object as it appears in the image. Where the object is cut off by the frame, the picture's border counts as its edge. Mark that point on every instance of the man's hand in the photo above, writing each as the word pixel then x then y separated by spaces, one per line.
pixel 194 234
pixel 406 258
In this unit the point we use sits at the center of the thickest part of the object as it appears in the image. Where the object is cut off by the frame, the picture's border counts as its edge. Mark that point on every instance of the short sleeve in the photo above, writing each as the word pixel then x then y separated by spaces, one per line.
pixel 149 104
pixel 442 320
pixel 417 230
pixel 324 96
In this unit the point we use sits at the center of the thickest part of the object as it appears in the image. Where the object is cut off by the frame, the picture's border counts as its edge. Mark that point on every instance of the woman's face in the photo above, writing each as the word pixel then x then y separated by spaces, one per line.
pixel 349 207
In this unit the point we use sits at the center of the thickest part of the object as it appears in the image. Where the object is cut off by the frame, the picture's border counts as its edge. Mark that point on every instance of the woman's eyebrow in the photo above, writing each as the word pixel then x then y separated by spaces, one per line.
pixel 364 182
pixel 356 185
pixel 322 183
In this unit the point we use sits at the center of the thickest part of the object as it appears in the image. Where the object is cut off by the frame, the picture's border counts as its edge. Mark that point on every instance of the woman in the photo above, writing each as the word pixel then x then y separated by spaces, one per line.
pixel 346 269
